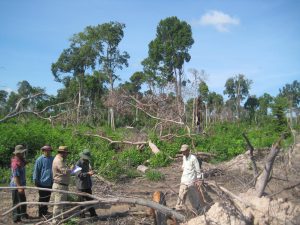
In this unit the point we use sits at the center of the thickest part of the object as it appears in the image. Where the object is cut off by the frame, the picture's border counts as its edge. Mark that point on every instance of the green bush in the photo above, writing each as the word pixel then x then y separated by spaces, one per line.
pixel 154 175
pixel 159 160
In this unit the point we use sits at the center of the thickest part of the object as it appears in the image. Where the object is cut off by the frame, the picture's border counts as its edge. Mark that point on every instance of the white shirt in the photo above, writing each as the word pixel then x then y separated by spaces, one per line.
pixel 191 170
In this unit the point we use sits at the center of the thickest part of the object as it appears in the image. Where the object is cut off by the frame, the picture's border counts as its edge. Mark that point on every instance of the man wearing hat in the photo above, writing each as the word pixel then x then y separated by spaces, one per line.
pixel 83 179
pixel 61 179
pixel 18 179
pixel 42 177
pixel 190 180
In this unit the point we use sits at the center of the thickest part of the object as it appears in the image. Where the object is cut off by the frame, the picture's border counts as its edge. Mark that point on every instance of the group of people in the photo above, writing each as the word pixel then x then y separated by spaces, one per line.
pixel 50 173
pixel 53 173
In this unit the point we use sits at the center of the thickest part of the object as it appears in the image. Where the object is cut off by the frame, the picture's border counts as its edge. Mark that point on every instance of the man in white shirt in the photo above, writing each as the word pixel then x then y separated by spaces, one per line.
pixel 190 180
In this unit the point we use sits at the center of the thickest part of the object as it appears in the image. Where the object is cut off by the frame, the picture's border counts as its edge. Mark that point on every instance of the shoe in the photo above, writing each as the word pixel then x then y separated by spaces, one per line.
pixel 46 214
pixel 82 215
pixel 25 216
pixel 17 220
pixel 94 215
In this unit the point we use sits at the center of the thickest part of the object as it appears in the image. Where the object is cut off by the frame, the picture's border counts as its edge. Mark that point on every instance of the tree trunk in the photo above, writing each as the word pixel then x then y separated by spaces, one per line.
pixel 79 99
pixel 263 179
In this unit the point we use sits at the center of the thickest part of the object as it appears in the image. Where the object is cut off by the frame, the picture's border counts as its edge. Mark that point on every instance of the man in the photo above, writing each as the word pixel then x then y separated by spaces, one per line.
pixel 18 179
pixel 190 180
pixel 61 179
pixel 42 177
pixel 83 179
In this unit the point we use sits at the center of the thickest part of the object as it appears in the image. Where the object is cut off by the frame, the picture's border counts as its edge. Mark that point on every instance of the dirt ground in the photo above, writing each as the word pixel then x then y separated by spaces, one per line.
pixel 235 175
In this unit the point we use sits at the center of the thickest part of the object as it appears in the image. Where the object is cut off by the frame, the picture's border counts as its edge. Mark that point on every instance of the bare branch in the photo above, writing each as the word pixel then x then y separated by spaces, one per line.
pixel 154 117
pixel 113 142
pixel 15 112
pixel 251 149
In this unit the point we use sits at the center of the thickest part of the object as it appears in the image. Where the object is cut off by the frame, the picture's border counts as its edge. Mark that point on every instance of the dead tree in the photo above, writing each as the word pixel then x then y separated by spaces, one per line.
pixel 263 178
pixel 251 150
pixel 40 114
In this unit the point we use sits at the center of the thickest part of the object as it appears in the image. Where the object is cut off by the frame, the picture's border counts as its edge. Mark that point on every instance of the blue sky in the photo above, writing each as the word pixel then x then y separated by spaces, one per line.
pixel 258 38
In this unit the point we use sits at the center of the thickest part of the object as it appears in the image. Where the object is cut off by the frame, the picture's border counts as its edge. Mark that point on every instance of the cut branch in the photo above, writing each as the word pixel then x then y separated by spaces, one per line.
pixel 251 149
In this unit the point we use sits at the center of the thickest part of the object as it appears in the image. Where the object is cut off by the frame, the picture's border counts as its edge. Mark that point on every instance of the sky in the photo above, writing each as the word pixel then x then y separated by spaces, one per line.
pixel 257 38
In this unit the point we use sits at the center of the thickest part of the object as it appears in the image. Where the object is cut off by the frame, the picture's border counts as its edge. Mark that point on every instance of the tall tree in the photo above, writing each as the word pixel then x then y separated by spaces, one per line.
pixel 76 59
pixel 111 58
pixel 170 50
pixel 203 91
pixel 237 88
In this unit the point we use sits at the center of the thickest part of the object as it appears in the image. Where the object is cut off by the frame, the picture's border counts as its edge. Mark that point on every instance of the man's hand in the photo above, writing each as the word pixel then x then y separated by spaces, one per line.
pixel 91 173
pixel 20 190
pixel 198 182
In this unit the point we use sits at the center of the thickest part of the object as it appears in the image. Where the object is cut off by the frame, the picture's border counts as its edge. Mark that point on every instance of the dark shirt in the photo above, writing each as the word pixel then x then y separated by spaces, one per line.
pixel 83 179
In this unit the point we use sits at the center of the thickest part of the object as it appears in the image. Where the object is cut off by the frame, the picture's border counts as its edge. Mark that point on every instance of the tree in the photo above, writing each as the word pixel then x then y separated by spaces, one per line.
pixel 264 103
pixel 279 109
pixel 237 88
pixel 111 58
pixel 251 105
pixel 203 91
pixel 215 103
pixel 292 93
pixel 76 59
pixel 170 49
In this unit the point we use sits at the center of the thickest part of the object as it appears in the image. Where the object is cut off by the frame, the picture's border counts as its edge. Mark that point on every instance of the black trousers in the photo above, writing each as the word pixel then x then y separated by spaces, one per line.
pixel 20 211
pixel 86 198
pixel 44 196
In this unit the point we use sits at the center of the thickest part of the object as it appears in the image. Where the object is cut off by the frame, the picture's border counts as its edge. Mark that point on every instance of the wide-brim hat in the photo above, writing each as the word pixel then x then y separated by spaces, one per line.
pixel 46 148
pixel 19 149
pixel 63 149
pixel 184 148
pixel 85 154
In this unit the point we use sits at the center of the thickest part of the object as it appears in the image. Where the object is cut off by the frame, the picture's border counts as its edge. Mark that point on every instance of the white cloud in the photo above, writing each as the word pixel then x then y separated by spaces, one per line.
pixel 219 20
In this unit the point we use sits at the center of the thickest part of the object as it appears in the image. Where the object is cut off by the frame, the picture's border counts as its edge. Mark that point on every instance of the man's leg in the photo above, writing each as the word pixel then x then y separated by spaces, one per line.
pixel 44 196
pixel 22 198
pixel 58 197
pixel 81 199
pixel 16 211
pixel 181 196
pixel 92 209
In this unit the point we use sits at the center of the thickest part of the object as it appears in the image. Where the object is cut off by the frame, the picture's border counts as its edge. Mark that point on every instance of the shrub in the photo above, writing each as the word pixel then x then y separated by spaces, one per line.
pixel 154 175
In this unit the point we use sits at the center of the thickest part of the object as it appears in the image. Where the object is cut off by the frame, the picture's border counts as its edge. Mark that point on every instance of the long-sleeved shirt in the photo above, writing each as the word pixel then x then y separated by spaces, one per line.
pixel 191 170
pixel 42 173
pixel 83 179
pixel 61 173
pixel 18 170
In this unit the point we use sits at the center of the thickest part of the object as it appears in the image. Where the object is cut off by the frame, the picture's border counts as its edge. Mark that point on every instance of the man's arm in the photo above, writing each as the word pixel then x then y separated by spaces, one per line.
pixel 17 180
pixel 36 172
pixel 197 169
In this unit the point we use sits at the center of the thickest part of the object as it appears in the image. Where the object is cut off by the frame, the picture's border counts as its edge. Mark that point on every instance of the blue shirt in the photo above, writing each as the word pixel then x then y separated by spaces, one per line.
pixel 42 174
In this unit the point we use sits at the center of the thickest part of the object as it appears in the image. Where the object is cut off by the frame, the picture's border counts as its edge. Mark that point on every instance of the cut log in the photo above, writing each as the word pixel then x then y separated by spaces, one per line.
pixel 154 148
pixel 142 168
